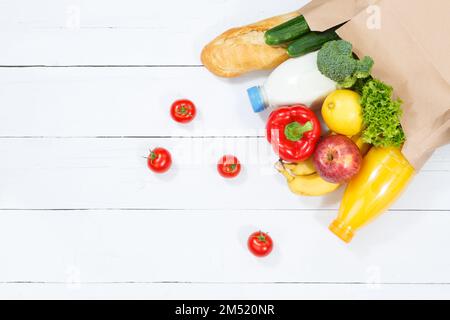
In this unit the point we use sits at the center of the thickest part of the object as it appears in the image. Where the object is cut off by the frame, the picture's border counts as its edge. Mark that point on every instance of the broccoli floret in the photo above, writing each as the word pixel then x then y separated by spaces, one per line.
pixel 335 60
pixel 364 68
pixel 348 82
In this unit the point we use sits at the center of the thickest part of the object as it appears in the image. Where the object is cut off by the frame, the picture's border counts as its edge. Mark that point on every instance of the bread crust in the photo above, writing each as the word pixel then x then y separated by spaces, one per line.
pixel 241 50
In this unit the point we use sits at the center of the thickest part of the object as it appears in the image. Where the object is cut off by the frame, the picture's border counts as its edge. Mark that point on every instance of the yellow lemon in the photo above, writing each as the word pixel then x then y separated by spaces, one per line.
pixel 342 112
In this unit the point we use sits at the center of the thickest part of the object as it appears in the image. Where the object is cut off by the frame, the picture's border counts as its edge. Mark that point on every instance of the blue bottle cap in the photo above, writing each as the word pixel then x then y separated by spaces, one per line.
pixel 256 98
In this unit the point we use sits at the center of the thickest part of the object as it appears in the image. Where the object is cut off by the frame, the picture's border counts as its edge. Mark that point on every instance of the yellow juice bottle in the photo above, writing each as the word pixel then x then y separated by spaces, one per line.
pixel 384 175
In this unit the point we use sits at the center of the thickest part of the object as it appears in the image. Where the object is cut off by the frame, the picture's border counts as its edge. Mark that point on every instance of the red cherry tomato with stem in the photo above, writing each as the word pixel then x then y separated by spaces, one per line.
pixel 229 166
pixel 183 111
pixel 159 160
pixel 260 244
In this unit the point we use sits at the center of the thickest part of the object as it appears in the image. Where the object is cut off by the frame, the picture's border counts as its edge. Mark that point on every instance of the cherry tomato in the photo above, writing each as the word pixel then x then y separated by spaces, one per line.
pixel 159 160
pixel 229 166
pixel 183 111
pixel 260 244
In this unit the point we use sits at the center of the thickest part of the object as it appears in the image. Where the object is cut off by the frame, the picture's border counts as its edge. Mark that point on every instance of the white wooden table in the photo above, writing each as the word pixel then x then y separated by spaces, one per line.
pixel 85 87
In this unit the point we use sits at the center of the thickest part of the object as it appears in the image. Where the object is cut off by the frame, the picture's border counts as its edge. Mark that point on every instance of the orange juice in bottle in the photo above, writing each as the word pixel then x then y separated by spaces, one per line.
pixel 384 174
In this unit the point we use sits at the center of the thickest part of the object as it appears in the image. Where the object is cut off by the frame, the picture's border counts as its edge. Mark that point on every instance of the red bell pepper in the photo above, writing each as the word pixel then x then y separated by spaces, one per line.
pixel 293 132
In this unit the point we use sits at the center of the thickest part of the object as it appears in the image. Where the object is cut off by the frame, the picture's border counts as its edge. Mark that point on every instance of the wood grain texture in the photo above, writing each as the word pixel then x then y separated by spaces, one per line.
pixel 112 173
pixel 210 247
pixel 222 291
pixel 123 102
pixel 137 32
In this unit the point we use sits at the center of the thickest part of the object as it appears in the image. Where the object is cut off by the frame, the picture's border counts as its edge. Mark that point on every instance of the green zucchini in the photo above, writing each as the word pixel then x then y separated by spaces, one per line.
pixel 311 42
pixel 287 31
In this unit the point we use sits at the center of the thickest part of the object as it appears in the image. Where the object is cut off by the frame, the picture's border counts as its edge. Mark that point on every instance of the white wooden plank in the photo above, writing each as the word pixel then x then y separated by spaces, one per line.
pixel 134 32
pixel 82 247
pixel 122 102
pixel 112 173
pixel 238 291
pixel 127 102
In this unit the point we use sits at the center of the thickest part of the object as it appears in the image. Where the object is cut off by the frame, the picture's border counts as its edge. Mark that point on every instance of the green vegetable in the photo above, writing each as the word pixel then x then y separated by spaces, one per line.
pixel 335 60
pixel 381 115
pixel 310 42
pixel 287 31
pixel 359 85
pixel 364 68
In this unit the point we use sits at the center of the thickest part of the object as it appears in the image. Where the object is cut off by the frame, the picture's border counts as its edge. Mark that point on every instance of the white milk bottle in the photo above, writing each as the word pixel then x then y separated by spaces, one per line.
pixel 296 81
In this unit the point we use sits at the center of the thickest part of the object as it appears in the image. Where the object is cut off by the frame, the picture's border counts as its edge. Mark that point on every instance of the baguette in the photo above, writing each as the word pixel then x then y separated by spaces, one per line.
pixel 241 50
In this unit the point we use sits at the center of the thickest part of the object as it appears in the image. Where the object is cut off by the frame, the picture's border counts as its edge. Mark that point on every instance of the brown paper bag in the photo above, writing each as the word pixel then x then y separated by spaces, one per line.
pixel 410 43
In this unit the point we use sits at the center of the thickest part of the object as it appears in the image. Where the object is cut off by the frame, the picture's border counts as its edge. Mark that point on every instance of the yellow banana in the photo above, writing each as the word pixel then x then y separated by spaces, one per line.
pixel 310 185
pixel 304 168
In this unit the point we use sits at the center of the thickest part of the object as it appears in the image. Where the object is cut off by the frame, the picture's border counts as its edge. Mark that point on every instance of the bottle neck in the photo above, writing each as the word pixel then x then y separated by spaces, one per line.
pixel 264 97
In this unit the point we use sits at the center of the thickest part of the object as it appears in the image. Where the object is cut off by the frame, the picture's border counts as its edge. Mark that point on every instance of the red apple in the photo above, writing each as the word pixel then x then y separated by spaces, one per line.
pixel 337 159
